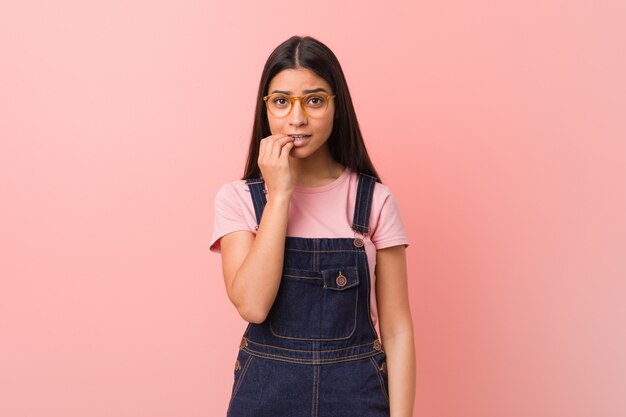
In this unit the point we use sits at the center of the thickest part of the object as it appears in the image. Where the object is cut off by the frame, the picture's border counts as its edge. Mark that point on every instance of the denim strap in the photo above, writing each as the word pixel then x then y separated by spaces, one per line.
pixel 257 192
pixel 363 204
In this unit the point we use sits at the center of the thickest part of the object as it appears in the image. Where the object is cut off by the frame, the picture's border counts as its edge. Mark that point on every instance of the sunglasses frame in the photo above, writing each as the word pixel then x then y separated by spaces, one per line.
pixel 292 99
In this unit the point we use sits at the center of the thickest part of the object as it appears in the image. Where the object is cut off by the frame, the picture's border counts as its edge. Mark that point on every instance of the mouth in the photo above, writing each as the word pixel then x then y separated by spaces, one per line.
pixel 299 137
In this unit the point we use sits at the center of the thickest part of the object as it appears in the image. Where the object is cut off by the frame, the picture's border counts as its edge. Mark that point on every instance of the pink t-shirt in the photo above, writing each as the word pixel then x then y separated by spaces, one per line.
pixel 317 212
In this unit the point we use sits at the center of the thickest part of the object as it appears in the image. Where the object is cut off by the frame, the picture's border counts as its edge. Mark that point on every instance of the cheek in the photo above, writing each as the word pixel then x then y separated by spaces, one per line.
pixel 329 123
pixel 275 126
pixel 332 119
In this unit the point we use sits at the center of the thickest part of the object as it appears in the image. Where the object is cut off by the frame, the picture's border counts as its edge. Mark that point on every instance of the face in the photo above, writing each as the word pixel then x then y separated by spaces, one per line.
pixel 294 82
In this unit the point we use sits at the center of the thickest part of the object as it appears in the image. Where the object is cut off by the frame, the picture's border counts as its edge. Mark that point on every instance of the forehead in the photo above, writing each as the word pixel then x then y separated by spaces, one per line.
pixel 297 80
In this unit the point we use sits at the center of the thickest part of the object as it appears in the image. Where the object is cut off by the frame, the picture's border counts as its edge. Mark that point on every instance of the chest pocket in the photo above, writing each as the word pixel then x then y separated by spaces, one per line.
pixel 319 305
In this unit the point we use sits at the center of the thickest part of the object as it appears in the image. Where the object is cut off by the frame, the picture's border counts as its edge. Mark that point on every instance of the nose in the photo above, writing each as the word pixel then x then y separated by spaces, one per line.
pixel 298 116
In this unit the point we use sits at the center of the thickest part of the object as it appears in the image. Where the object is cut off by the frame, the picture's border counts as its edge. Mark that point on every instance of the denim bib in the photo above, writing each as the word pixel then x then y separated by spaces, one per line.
pixel 317 354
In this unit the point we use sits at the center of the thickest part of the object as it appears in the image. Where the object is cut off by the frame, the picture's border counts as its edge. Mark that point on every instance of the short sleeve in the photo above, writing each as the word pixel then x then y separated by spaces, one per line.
pixel 228 216
pixel 389 229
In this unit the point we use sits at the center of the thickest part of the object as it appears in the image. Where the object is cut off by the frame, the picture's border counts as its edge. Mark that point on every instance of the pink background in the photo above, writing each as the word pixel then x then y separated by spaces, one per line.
pixel 500 128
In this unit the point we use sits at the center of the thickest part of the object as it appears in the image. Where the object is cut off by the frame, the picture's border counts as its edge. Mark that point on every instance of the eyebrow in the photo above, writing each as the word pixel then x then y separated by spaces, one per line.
pixel 315 90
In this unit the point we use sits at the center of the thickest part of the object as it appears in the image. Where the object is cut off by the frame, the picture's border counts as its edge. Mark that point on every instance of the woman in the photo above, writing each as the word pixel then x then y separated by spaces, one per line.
pixel 313 254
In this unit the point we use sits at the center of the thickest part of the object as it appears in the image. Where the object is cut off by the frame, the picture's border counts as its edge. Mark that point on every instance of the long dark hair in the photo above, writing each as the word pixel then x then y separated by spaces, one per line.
pixel 345 142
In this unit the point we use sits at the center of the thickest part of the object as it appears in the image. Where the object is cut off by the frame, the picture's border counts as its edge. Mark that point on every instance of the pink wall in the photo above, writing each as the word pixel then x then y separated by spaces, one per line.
pixel 500 128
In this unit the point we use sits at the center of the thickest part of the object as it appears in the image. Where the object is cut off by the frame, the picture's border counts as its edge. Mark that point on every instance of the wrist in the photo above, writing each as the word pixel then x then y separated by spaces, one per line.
pixel 278 196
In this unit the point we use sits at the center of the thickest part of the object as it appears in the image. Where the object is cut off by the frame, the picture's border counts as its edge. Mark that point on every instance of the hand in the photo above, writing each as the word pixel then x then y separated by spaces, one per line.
pixel 274 163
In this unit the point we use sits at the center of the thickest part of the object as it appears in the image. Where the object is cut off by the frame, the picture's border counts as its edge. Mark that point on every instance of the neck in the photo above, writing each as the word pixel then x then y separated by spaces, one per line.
pixel 314 173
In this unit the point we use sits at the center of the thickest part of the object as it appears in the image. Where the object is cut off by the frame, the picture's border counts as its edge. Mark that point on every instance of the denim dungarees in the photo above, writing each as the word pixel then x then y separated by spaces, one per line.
pixel 317 354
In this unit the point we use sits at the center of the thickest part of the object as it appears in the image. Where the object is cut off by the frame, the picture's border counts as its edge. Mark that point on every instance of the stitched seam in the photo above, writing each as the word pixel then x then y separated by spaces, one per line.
pixel 380 378
pixel 324 251
pixel 314 361
pixel 368 201
pixel 356 304
pixel 300 276
pixel 363 202
pixel 257 204
pixel 299 272
pixel 359 198
pixel 368 207
pixel 308 361
pixel 316 370
pixel 364 194
pixel 369 316
pixel 367 196
pixel 300 350
pixel 244 370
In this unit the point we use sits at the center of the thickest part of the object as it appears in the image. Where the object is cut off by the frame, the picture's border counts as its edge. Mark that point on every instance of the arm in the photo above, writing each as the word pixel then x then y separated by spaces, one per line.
pixel 252 265
pixel 396 328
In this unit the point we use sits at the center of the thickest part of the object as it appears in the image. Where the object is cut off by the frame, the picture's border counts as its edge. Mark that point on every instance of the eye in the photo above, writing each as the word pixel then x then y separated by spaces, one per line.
pixel 280 100
pixel 315 101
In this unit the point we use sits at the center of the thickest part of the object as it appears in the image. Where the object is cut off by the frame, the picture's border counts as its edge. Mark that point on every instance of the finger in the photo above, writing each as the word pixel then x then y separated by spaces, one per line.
pixel 277 136
pixel 282 140
pixel 267 142
pixel 278 145
pixel 284 154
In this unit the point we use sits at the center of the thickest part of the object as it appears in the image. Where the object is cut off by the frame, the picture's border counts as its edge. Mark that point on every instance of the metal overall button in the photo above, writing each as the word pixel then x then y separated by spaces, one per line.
pixel 377 344
pixel 243 343
pixel 341 279
pixel 358 242
pixel 237 365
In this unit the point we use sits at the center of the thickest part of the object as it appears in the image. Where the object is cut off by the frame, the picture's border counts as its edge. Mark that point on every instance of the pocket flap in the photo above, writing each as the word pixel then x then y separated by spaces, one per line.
pixel 340 278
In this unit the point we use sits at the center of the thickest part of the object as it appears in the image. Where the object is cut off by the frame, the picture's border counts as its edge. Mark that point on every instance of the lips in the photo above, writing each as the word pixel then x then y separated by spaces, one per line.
pixel 300 140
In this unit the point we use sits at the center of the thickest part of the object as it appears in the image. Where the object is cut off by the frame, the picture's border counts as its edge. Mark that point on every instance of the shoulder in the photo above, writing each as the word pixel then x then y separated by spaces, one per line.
pixel 384 203
pixel 233 191
pixel 382 190
pixel 232 211
pixel 381 193
pixel 386 220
